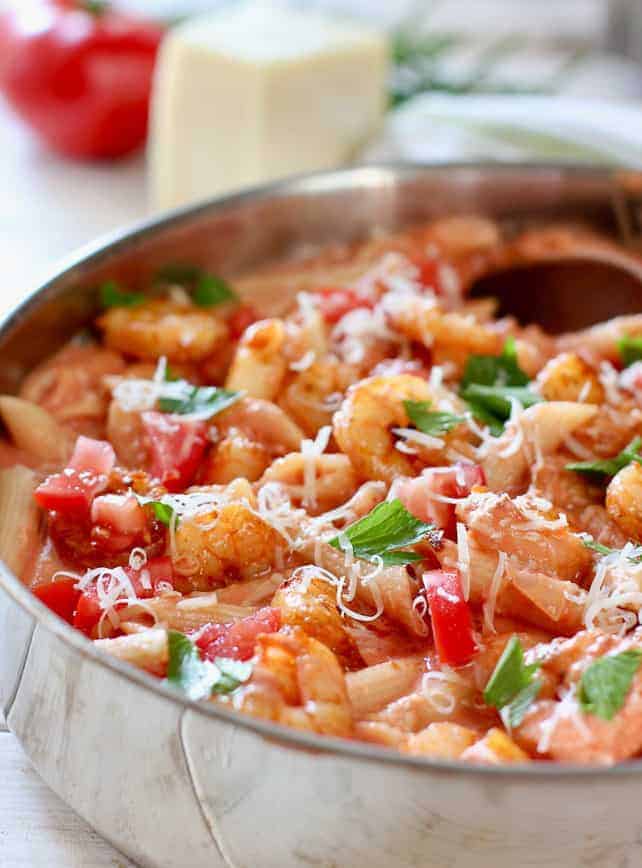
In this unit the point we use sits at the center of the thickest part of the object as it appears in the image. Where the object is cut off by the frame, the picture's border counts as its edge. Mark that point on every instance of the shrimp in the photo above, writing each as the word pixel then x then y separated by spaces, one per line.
pixel 71 386
pixel 567 377
pixel 364 426
pixel 334 480
pixel 234 457
pixel 557 728
pixel 440 740
pixel 162 327
pixel 297 681
pixel 312 605
pixel 602 340
pixel 568 491
pixel 232 543
pixel 624 500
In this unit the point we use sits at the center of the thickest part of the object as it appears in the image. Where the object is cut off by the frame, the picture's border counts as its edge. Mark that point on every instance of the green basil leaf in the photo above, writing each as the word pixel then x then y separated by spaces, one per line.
pixel 199 678
pixel 429 421
pixel 502 370
pixel 233 674
pixel 606 682
pixel 513 713
pixel 111 295
pixel 162 511
pixel 385 530
pixel 609 466
pixel 510 676
pixel 205 400
pixel 630 349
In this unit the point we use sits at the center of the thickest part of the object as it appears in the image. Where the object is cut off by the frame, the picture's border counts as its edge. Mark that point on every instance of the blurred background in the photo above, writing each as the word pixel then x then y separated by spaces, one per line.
pixel 489 79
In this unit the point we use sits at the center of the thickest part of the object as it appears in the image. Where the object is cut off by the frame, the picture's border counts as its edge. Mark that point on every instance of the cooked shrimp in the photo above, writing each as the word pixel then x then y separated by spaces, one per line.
pixel 312 395
pixel 568 377
pixel 162 327
pixel 261 422
pixel 297 681
pixel 224 545
pixel 558 729
pixel 364 426
pixel 624 500
pixel 603 339
pixel 312 604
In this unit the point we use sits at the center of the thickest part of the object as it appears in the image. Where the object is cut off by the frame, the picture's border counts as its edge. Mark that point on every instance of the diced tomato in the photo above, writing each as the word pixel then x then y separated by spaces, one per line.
pixel 61 596
pixel 88 611
pixel 243 316
pixel 452 624
pixel 423 495
pixel 72 491
pixel 335 302
pixel 120 521
pixel 147 580
pixel 176 447
pixel 237 640
pixel 428 267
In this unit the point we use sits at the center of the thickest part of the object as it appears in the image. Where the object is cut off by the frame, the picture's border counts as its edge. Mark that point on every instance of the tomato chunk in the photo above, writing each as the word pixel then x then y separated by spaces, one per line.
pixel 452 624
pixel 88 611
pixel 72 491
pixel 335 302
pixel 120 521
pixel 237 640
pixel 243 316
pixel 424 496
pixel 429 271
pixel 176 447
pixel 61 596
pixel 153 578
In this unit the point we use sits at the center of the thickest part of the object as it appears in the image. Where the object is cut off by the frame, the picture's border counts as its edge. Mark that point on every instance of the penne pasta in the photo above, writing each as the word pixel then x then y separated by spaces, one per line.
pixel 20 519
pixel 35 431
pixel 374 687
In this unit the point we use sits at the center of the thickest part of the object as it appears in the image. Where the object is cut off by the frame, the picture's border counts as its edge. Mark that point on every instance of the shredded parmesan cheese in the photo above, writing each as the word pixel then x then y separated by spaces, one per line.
pixel 495 585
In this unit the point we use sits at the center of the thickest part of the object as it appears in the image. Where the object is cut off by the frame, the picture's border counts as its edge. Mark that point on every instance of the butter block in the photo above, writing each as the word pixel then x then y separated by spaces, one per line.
pixel 259 91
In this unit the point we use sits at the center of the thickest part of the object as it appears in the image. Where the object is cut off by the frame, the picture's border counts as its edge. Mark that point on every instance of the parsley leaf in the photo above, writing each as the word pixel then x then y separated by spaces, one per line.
pixel 206 289
pixel 606 682
pixel 502 370
pixel 490 382
pixel 204 400
pixel 111 295
pixel 630 349
pixel 199 678
pixel 595 546
pixel 429 421
pixel 163 512
pixel 609 466
pixel 385 530
pixel 511 687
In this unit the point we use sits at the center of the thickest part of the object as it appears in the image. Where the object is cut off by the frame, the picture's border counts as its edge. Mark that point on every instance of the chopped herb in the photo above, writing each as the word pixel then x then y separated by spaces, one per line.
pixel 163 512
pixel 212 290
pixel 199 678
pixel 606 682
pixel 630 349
pixel 490 383
pixel 206 289
pixel 609 466
pixel 513 713
pixel 429 421
pixel 111 295
pixel 595 546
pixel 502 370
pixel 204 400
pixel 511 688
pixel 381 533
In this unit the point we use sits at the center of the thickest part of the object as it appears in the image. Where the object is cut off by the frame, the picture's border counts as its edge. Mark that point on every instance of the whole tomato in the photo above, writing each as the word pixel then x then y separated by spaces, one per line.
pixel 79 73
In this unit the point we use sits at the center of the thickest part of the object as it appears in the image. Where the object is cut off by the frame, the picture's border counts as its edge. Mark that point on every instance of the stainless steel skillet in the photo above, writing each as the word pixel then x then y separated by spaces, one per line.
pixel 173 783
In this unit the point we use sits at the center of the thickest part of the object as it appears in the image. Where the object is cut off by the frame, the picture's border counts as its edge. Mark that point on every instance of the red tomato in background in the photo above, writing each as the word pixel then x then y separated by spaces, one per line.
pixel 237 640
pixel 72 491
pixel 241 318
pixel 80 78
pixel 176 447
pixel 452 625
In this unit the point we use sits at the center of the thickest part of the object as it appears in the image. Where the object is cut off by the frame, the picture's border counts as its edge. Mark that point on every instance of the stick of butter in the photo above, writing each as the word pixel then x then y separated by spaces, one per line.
pixel 259 91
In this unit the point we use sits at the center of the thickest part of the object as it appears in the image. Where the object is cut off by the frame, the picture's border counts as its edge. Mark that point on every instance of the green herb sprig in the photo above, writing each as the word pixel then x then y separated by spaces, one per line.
pixel 199 678
pixel 605 683
pixel 602 469
pixel 512 687
pixel 429 421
